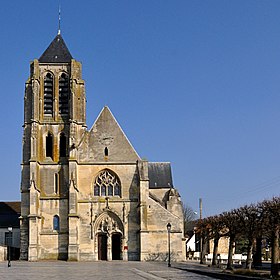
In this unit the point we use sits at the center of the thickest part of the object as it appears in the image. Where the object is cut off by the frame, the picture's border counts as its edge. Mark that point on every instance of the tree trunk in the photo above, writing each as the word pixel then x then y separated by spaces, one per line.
pixel 275 252
pixel 257 260
pixel 249 254
pixel 203 250
pixel 215 250
pixel 230 252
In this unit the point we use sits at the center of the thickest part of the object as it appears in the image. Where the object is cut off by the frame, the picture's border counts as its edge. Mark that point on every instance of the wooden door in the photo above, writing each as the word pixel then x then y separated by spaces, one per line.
pixel 102 247
pixel 116 246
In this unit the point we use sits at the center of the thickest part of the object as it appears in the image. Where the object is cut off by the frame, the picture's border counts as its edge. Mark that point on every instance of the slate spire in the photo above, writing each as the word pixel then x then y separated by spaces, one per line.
pixel 57 52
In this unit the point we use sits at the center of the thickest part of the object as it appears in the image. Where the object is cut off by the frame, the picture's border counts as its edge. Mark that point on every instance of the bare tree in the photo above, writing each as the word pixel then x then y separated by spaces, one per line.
pixel 232 223
pixel 216 231
pixel 202 229
pixel 250 218
pixel 252 222
pixel 189 218
pixel 271 210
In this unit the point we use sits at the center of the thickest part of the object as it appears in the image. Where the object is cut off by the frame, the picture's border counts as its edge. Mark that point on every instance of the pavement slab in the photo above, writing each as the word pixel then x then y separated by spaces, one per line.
pixel 59 270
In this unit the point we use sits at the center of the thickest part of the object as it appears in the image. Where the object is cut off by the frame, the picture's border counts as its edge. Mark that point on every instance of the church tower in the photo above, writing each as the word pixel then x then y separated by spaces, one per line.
pixel 54 120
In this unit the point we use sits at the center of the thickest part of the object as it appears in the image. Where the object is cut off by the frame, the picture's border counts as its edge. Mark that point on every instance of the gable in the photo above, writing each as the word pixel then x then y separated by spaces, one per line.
pixel 106 142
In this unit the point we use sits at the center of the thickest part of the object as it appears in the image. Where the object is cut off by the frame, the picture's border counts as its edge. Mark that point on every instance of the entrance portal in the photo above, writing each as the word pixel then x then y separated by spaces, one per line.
pixel 108 236
pixel 116 246
pixel 102 247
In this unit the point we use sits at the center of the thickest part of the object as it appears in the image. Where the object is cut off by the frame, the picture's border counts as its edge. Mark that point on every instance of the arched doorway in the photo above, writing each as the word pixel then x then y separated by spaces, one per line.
pixel 116 246
pixel 108 234
pixel 102 246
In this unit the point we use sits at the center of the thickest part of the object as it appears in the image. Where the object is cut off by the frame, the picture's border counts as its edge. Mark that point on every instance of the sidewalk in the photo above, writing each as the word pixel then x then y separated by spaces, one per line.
pixel 208 270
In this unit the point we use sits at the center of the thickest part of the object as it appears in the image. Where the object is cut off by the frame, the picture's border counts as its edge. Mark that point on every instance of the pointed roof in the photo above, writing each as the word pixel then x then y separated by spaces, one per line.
pixel 57 52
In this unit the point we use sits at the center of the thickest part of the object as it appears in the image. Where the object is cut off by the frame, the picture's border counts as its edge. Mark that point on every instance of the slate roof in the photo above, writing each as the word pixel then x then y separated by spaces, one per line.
pixel 9 214
pixel 160 175
pixel 57 52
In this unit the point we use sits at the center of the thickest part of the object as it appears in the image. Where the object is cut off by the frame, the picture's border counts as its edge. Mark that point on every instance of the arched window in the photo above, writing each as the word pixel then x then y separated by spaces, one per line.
pixel 62 145
pixel 48 94
pixel 106 152
pixel 63 94
pixel 107 183
pixel 49 145
pixel 56 222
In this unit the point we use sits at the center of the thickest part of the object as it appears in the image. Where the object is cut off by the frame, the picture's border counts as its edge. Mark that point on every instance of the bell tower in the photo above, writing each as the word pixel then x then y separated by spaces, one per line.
pixel 54 122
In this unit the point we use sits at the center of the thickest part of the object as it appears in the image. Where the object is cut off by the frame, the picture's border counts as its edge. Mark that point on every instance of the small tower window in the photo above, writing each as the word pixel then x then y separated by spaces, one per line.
pixel 48 94
pixel 56 222
pixel 49 145
pixel 63 94
pixel 56 183
pixel 106 152
pixel 62 145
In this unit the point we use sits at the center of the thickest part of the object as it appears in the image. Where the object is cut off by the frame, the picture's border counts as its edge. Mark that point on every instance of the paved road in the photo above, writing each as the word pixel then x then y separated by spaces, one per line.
pixel 93 270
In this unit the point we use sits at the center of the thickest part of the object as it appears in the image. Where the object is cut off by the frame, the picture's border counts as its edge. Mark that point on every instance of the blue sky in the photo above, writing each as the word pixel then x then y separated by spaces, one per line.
pixel 196 83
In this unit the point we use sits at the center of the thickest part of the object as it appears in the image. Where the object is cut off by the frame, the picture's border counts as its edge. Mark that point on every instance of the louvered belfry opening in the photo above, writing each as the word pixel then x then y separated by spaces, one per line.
pixel 63 94
pixel 48 94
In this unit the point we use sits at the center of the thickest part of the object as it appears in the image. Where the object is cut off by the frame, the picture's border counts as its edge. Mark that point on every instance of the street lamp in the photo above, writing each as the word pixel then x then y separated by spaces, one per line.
pixel 10 229
pixel 168 226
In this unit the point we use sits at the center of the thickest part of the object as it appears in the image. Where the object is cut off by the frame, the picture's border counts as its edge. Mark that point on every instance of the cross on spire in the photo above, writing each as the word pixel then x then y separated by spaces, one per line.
pixel 59 19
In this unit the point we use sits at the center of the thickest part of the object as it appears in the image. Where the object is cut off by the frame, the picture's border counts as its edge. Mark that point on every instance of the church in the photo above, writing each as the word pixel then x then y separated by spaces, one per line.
pixel 86 194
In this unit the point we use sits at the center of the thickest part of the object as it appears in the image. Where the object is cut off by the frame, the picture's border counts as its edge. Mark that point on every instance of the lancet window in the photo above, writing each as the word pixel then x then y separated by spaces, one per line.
pixel 56 183
pixel 62 145
pixel 107 184
pixel 63 94
pixel 56 222
pixel 49 145
pixel 48 94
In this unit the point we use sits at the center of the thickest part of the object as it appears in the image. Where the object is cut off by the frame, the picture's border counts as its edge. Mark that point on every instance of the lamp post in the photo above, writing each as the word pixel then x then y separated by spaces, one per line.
pixel 168 226
pixel 9 245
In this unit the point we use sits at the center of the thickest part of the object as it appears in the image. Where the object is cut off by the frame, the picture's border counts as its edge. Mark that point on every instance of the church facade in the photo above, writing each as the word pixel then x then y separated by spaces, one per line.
pixel 85 193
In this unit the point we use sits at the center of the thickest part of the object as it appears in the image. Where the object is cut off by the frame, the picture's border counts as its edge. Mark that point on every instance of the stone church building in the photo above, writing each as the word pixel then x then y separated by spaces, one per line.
pixel 85 193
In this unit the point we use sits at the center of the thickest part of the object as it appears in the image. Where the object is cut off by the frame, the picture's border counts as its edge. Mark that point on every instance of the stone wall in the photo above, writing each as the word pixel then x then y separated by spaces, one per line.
pixel 222 246
pixel 154 239
pixel 3 253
